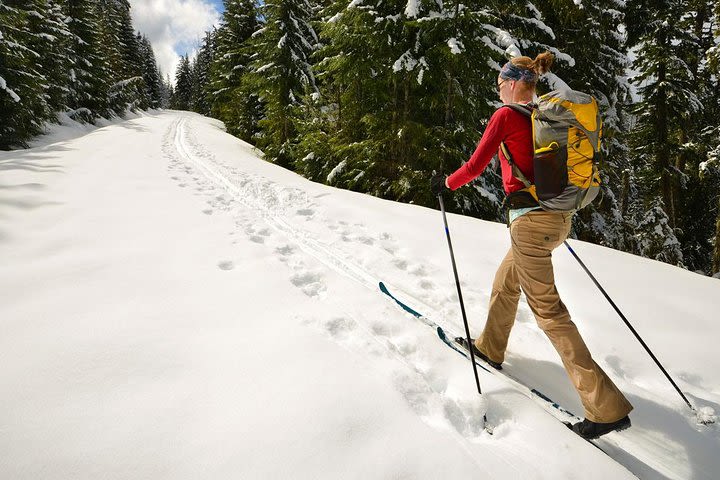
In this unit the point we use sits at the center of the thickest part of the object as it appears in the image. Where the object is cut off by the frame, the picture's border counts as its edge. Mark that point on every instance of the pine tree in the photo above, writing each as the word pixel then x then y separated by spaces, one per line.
pixel 710 169
pixel 122 51
pixel 56 54
pixel 655 236
pixel 693 190
pixel 150 73
pixel 405 90
pixel 90 75
pixel 23 87
pixel 454 83
pixel 201 75
pixel 167 92
pixel 79 56
pixel 523 30
pixel 182 96
pixel 335 147
pixel 282 72
pixel 667 86
pixel 232 98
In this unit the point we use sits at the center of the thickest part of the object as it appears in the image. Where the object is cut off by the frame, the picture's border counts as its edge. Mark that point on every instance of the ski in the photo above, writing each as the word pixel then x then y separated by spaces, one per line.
pixel 557 410
pixel 544 401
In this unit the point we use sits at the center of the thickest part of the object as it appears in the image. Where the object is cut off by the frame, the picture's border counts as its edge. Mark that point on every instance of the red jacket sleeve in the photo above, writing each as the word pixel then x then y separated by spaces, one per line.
pixel 486 149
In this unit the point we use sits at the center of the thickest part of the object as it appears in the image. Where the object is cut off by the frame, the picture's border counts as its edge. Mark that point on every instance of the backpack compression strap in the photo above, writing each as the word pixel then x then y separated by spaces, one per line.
pixel 527 111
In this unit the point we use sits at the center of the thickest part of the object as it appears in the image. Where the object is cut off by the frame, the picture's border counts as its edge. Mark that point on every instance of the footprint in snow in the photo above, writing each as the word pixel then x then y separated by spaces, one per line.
pixel 466 416
pixel 257 239
pixel 416 392
pixel 426 285
pixel 305 212
pixel 207 211
pixel 400 263
pixel 226 265
pixel 419 271
pixel 391 249
pixel 309 282
pixel 366 240
pixel 285 250
pixel 339 327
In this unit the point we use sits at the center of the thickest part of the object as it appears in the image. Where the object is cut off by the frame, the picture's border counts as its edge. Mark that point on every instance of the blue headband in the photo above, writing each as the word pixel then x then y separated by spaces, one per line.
pixel 512 72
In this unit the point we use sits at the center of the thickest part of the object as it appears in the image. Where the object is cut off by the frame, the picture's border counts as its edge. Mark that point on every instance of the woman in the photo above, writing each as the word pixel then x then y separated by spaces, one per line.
pixel 534 234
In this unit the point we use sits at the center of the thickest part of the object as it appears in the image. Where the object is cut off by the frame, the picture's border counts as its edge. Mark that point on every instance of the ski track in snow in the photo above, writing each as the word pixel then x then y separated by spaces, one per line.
pixel 269 215
pixel 424 388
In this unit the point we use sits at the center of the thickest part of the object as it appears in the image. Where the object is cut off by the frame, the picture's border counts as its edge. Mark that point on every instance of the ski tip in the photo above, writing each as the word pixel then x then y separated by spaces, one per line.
pixel 383 288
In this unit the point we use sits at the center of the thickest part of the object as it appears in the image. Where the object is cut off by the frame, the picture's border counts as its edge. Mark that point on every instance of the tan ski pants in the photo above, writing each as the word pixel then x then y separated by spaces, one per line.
pixel 528 265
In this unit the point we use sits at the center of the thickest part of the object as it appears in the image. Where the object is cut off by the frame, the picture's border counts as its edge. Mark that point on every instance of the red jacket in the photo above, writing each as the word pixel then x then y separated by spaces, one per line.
pixel 515 130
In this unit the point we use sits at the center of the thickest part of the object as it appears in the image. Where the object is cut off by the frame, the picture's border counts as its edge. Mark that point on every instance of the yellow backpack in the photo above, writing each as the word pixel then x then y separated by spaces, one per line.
pixel 567 129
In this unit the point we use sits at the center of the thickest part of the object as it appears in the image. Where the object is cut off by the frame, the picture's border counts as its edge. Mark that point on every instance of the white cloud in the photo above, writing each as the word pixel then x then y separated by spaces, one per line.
pixel 173 27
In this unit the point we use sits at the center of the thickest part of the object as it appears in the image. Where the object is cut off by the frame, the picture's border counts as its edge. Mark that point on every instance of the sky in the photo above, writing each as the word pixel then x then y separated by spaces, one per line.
pixel 174 27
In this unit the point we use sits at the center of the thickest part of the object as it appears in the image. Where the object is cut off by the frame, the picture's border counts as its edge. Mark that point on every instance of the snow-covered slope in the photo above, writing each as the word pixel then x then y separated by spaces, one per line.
pixel 171 306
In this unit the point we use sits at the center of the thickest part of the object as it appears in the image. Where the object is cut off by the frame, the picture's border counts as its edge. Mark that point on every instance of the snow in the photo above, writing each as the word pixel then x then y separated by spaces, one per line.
pixel 455 46
pixel 533 9
pixel 13 95
pixel 538 23
pixel 265 67
pixel 555 82
pixel 562 56
pixel 406 61
pixel 412 9
pixel 338 168
pixel 504 39
pixel 172 306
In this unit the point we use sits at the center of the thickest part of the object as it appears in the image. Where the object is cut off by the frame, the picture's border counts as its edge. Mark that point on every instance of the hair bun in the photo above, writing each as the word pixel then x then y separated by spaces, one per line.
pixel 543 62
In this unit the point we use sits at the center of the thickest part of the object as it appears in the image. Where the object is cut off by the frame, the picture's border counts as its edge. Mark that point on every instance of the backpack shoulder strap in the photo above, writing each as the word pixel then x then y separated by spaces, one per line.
pixel 526 110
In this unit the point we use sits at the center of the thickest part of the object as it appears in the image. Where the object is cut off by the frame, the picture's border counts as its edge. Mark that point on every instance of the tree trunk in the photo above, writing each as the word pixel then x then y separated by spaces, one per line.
pixel 662 153
pixel 716 253
pixel 625 193
pixel 451 77
pixel 448 100
pixel 625 224
pixel 339 102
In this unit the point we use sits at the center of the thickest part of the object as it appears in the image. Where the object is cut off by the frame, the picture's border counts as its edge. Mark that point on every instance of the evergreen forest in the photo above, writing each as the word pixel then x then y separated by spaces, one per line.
pixel 80 58
pixel 376 95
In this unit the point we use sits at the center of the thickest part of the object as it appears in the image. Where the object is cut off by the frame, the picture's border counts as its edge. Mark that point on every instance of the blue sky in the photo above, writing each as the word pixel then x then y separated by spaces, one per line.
pixel 218 5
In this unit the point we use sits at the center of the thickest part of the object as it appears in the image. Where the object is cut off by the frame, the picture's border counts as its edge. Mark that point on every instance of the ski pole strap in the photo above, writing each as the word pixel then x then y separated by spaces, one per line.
pixel 515 170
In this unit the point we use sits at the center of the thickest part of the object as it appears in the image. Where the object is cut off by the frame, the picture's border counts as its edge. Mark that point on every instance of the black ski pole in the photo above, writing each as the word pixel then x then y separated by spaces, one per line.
pixel 462 304
pixel 647 349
